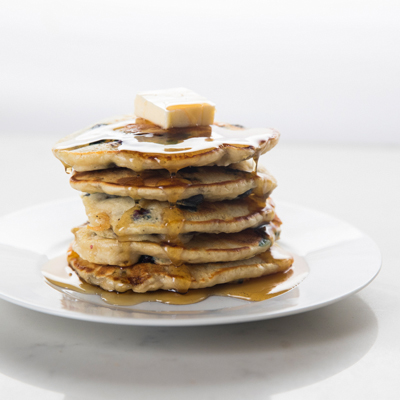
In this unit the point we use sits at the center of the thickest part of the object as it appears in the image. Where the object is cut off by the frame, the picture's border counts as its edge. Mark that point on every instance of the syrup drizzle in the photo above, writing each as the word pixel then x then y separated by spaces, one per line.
pixel 173 220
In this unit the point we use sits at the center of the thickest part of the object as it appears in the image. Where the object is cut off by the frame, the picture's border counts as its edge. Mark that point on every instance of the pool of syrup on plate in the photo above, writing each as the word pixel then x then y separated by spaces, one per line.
pixel 59 275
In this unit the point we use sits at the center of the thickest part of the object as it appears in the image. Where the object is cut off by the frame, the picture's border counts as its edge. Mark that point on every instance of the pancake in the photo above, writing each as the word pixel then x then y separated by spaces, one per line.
pixel 125 216
pixel 202 248
pixel 213 183
pixel 145 276
pixel 139 145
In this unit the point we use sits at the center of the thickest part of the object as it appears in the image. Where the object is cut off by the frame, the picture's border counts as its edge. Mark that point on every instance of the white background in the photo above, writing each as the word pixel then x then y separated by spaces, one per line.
pixel 326 71
pixel 320 71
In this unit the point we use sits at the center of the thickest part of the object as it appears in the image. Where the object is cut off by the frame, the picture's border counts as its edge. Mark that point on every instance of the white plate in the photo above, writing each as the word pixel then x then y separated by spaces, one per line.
pixel 342 260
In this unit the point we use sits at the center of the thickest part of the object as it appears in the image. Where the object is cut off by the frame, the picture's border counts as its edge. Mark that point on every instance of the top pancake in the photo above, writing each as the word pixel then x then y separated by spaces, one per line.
pixel 138 144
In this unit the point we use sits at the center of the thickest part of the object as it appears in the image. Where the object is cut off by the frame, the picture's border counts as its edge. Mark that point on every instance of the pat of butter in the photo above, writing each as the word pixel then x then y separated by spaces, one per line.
pixel 174 108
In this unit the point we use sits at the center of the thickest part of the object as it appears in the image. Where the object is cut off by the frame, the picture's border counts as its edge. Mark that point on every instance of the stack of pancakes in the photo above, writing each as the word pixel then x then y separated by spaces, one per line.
pixel 172 209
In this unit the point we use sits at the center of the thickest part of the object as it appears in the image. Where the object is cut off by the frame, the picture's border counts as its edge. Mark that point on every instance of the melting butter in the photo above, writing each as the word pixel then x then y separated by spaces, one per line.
pixel 177 107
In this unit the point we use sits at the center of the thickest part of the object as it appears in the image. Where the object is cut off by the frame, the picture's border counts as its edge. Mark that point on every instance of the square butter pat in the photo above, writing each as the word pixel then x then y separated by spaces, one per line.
pixel 174 108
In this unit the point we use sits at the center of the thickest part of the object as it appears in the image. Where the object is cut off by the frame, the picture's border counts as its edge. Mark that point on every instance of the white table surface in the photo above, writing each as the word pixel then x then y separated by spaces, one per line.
pixel 347 350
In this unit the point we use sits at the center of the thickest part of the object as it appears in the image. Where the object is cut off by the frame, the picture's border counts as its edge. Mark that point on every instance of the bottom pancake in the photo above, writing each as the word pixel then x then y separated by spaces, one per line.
pixel 146 276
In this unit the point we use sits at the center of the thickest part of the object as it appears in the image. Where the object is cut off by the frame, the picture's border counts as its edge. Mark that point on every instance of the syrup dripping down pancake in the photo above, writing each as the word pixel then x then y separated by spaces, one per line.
pixel 115 217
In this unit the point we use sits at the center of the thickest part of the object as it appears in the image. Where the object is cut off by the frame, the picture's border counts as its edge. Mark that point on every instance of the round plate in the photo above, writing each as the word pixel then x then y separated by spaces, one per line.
pixel 342 260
